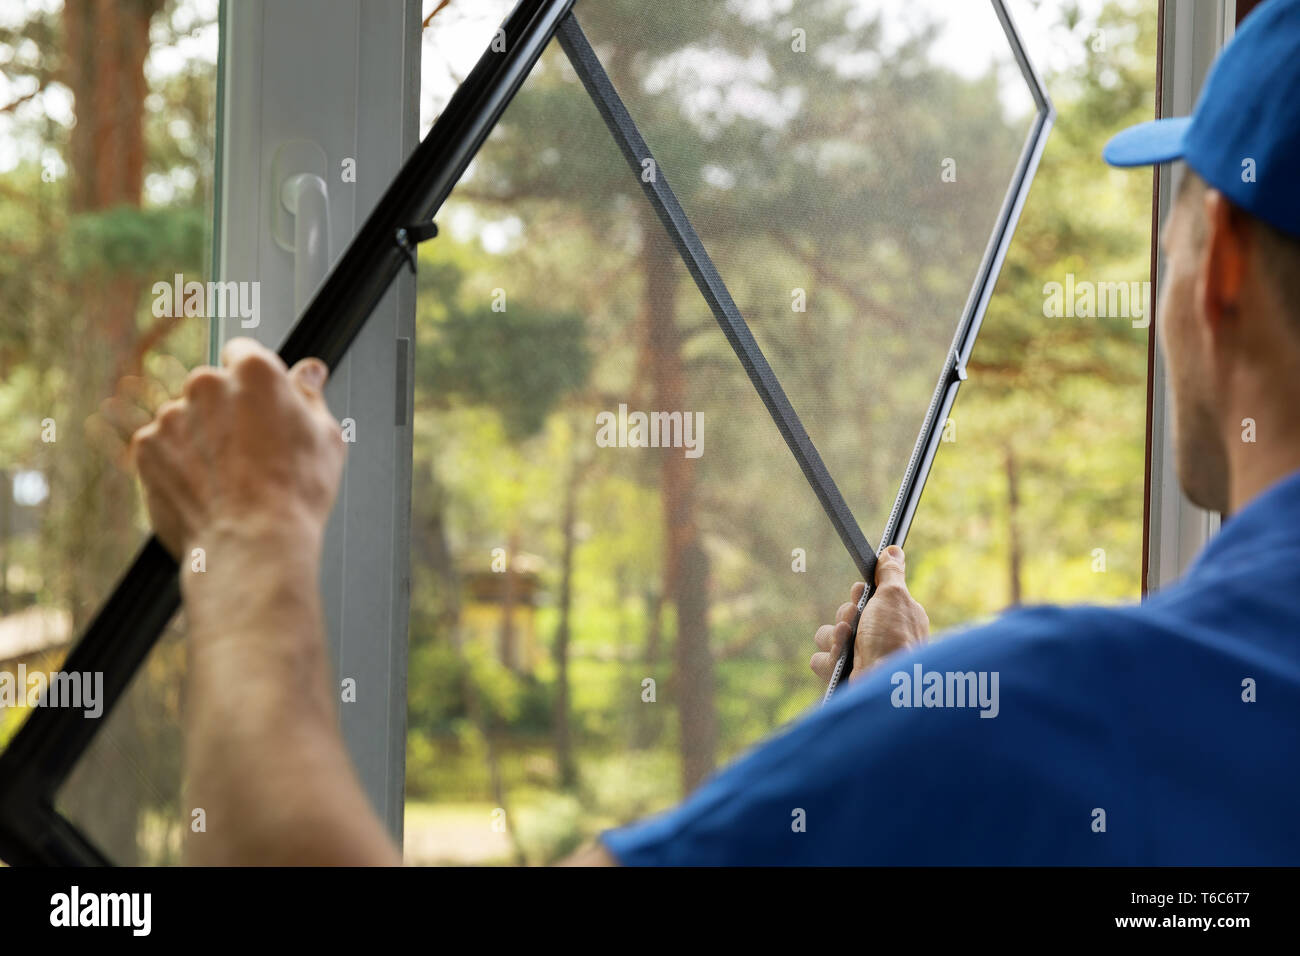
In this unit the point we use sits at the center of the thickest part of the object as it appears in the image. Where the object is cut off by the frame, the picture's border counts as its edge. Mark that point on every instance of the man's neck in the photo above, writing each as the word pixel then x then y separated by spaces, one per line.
pixel 1262 449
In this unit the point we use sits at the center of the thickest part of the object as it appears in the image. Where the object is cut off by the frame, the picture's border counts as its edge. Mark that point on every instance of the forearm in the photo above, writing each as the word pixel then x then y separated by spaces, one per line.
pixel 264 756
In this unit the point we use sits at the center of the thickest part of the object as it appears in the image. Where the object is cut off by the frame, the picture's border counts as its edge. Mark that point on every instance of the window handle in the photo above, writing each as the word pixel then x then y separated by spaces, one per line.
pixel 306 197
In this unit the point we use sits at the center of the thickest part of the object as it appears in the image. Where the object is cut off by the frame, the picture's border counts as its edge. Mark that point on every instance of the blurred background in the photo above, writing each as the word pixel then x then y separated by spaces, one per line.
pixel 594 630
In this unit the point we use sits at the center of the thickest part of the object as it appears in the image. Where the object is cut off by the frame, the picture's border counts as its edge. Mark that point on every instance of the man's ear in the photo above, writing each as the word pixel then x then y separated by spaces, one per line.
pixel 1223 261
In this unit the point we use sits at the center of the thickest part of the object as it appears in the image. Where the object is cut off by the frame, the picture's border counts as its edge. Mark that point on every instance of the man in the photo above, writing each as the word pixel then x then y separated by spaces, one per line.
pixel 1164 733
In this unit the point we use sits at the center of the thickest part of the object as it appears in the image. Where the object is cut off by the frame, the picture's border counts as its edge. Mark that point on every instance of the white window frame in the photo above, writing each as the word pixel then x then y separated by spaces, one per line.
pixel 305 86
pixel 1194 32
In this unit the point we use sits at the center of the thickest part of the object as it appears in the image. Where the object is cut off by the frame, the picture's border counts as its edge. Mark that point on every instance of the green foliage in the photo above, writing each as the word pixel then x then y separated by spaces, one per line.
pixel 520 361
pixel 1058 402
pixel 1065 397
pixel 142 243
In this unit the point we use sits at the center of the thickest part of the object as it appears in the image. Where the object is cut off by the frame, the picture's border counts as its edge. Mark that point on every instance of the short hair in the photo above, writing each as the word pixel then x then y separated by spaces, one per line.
pixel 1279 257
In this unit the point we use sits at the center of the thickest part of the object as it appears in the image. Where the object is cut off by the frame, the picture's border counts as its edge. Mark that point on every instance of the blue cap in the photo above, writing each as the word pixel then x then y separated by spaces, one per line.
pixel 1244 136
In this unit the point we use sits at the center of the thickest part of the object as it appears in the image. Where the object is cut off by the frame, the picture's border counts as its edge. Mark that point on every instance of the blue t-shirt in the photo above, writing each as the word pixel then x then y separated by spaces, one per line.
pixel 1163 733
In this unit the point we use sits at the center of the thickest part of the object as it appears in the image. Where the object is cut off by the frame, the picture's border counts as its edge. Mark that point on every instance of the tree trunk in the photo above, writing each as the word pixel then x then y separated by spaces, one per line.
pixel 685 564
pixel 1014 559
pixel 107 42
pixel 436 550
pixel 694 677
pixel 648 728
pixel 507 641
pixel 563 742
pixel 654 605
pixel 6 529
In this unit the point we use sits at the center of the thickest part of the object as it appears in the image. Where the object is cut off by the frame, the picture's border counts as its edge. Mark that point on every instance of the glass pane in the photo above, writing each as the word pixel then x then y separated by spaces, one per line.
pixel 597 625
pixel 105 201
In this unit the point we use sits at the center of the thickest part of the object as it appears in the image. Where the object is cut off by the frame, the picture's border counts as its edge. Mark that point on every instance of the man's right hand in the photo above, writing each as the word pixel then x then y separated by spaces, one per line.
pixel 890 621
pixel 248 446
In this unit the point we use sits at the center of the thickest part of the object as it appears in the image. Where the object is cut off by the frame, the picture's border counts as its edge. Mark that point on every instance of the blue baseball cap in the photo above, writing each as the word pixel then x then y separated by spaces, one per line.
pixel 1244 136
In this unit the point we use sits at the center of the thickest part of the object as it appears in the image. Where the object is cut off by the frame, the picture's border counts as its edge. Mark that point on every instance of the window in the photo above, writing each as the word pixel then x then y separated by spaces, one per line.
pixel 703 235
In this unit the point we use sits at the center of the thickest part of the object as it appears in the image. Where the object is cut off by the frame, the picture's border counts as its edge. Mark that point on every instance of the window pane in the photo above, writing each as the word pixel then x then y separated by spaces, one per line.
pixel 105 209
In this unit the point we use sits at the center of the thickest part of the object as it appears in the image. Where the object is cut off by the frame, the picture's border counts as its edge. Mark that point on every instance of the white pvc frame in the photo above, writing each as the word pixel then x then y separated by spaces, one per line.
pixel 1194 32
pixel 306 86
